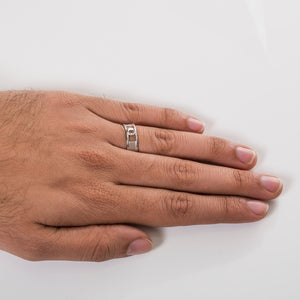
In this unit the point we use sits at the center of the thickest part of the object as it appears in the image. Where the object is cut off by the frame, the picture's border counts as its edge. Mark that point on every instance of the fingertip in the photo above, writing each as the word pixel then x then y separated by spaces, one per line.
pixel 139 246
pixel 247 156
pixel 138 241
pixel 258 207
pixel 271 184
pixel 196 125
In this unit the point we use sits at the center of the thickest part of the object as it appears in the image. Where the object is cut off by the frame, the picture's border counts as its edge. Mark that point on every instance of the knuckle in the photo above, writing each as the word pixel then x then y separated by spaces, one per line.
pixel 102 250
pixel 223 209
pixel 149 165
pixel 178 205
pixel 230 207
pixel 183 173
pixel 98 198
pixel 237 177
pixel 242 178
pixel 65 99
pixel 216 145
pixel 131 111
pixel 169 115
pixel 100 159
pixel 108 251
pixel 163 140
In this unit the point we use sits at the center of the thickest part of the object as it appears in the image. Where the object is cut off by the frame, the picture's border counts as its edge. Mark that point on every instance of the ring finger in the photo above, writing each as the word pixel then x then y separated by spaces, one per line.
pixel 187 145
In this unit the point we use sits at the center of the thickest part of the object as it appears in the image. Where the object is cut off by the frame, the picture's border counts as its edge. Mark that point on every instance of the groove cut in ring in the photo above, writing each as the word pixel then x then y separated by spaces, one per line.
pixel 131 137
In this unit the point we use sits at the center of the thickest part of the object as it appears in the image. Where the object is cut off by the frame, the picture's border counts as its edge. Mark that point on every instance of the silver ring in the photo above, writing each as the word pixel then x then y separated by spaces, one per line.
pixel 131 137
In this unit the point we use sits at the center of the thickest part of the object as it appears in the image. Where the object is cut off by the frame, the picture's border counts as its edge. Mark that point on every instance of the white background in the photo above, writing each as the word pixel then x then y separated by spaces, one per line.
pixel 234 64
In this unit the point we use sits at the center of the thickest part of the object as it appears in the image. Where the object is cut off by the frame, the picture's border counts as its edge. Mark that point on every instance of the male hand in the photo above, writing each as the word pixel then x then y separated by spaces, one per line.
pixel 68 184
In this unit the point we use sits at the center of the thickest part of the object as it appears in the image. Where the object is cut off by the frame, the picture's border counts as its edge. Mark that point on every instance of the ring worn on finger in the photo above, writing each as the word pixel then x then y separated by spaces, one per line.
pixel 131 137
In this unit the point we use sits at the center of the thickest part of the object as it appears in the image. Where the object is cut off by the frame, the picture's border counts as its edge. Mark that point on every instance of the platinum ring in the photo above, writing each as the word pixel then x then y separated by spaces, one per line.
pixel 131 137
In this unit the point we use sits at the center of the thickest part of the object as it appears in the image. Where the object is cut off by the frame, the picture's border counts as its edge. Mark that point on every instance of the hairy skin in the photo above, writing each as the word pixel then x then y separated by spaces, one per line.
pixel 67 185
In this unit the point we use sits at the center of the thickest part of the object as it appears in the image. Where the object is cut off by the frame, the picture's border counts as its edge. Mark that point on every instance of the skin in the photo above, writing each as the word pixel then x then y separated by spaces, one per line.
pixel 69 189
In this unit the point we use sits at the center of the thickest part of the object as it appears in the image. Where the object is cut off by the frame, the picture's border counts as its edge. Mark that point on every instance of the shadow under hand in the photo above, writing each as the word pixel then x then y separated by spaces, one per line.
pixel 156 234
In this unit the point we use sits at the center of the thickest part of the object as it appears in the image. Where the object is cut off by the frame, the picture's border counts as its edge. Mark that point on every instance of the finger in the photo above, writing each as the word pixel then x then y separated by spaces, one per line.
pixel 90 243
pixel 187 145
pixel 161 207
pixel 124 112
pixel 112 204
pixel 184 175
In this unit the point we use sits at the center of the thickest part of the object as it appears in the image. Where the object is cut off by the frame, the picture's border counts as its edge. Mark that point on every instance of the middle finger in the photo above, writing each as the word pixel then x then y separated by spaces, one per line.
pixel 185 175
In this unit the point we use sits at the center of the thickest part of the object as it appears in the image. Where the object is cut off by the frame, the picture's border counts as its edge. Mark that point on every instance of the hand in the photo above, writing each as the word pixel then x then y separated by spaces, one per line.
pixel 68 183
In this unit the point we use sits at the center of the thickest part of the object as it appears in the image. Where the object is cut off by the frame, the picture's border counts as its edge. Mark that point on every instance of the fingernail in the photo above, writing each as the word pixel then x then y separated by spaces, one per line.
pixel 270 183
pixel 195 124
pixel 245 155
pixel 139 246
pixel 258 207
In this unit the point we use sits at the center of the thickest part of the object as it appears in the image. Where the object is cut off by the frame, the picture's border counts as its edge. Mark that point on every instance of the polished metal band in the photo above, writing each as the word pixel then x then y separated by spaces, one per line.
pixel 131 137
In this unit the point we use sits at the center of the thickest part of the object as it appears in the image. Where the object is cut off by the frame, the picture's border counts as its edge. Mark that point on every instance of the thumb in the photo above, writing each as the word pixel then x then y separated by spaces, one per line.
pixel 95 242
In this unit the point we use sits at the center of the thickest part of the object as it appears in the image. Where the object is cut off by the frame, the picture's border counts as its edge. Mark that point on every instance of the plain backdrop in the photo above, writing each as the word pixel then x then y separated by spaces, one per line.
pixel 235 65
